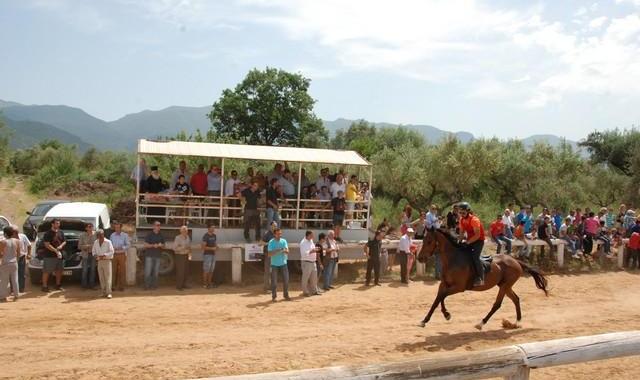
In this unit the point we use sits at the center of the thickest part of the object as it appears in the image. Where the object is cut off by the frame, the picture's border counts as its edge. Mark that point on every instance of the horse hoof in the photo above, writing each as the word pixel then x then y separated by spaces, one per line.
pixel 479 325
pixel 447 316
pixel 422 324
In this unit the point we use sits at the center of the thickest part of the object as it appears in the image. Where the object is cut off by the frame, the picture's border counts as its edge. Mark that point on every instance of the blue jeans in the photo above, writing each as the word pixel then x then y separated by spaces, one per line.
pixel 571 244
pixel 507 243
pixel 327 275
pixel 151 268
pixel 273 215
pixel 88 272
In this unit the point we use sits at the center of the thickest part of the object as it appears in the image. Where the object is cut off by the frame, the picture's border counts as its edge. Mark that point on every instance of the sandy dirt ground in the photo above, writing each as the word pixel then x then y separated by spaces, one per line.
pixel 236 330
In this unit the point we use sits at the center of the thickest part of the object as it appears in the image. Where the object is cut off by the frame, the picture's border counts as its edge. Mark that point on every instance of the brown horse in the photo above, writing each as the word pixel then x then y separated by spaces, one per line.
pixel 458 275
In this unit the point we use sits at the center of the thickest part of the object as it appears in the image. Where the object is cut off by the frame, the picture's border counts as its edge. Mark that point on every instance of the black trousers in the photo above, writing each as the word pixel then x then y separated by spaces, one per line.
pixel 373 264
pixel 475 249
pixel 251 218
pixel 401 257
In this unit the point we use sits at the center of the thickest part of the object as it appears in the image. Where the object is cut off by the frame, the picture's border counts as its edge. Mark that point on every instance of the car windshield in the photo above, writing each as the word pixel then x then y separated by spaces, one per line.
pixel 42 209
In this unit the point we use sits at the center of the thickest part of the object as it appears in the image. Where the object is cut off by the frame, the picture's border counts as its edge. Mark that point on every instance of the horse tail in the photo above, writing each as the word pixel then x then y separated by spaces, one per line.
pixel 538 277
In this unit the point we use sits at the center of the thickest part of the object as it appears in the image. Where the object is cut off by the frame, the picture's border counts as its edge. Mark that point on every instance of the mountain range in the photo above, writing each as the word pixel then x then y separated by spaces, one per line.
pixel 30 124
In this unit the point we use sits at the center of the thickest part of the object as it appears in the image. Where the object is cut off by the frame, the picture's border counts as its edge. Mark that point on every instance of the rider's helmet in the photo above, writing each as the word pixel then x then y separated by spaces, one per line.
pixel 464 206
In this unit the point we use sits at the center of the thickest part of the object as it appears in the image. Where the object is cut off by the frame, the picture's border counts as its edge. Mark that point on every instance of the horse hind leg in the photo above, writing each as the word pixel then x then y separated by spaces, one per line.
pixel 516 301
pixel 494 308
pixel 445 312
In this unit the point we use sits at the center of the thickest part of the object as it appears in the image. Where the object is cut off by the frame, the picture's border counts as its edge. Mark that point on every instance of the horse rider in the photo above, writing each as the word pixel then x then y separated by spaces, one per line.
pixel 470 225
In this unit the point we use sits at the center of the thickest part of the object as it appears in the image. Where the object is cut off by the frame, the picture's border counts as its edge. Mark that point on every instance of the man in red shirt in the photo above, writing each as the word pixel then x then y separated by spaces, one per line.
pixel 471 226
pixel 498 236
pixel 199 182
pixel 634 251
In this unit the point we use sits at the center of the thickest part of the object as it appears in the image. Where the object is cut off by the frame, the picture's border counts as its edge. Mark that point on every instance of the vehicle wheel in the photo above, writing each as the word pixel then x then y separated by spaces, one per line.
pixel 166 263
pixel 35 275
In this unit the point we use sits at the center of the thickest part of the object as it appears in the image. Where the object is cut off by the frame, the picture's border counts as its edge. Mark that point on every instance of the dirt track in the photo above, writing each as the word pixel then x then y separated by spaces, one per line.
pixel 237 330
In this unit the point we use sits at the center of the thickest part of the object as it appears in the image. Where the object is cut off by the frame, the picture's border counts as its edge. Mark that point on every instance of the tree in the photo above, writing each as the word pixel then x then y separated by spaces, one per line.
pixel 366 139
pixel 614 148
pixel 269 107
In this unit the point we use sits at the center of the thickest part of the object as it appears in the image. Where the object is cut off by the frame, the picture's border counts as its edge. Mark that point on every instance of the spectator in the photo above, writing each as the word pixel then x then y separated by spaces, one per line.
pixel 305 181
pixel 182 256
pixel 199 182
pixel 452 219
pixel 543 234
pixel 153 245
pixel 338 204
pixel 249 177
pixel 565 235
pixel 520 235
pixel 9 252
pixel 528 220
pixel 103 252
pixel 250 196
pixel 214 181
pixel 629 220
pixel 323 180
pixel 332 252
pixel 324 194
pixel 121 244
pixel 634 251
pixel 507 221
pixel 182 170
pixel 610 218
pixel 602 235
pixel 338 186
pixel 497 235
pixel 420 225
pixel 182 187
pixel 635 227
pixel 273 206
pixel 266 259
pixel 321 252
pixel 404 250
pixel 372 251
pixel 557 219
pixel 578 216
pixel 276 173
pixel 405 219
pixel 351 196
pixel 25 254
pixel 230 191
pixel 287 185
pixel 278 251
pixel 209 248
pixel 139 175
pixel 54 243
pixel 431 219
pixel 155 184
pixel 309 260
pixel 85 244
pixel 622 211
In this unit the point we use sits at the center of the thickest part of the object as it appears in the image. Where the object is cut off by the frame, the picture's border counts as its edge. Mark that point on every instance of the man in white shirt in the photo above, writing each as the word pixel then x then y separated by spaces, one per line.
pixel 323 180
pixel 182 170
pixel 24 255
pixel 230 191
pixel 338 185
pixel 308 258
pixel 103 252
pixel 404 249
pixel 507 220
pixel 332 250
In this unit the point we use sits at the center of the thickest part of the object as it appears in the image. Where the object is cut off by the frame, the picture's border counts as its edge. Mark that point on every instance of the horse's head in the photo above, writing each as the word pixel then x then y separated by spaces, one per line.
pixel 429 245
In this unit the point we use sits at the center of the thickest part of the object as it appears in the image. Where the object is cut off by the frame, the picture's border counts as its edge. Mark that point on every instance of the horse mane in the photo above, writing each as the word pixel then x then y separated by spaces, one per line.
pixel 452 239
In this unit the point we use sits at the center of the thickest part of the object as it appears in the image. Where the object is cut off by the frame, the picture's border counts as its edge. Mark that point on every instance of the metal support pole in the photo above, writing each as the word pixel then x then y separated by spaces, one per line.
pixel 221 191
pixel 370 197
pixel 138 187
pixel 298 202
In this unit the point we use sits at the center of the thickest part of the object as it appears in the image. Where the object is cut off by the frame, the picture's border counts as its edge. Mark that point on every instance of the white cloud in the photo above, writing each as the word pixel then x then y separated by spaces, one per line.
pixel 597 22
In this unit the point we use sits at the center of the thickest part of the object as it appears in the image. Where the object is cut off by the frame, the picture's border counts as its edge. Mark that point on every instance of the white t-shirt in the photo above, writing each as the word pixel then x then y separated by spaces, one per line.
pixel 335 187
pixel 24 244
pixel 507 221
pixel 323 181
pixel 307 250
pixel 229 187
pixel 332 244
pixel 404 245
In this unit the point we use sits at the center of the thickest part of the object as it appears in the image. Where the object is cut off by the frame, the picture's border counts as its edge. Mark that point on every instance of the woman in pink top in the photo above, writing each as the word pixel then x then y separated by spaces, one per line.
pixel 591 225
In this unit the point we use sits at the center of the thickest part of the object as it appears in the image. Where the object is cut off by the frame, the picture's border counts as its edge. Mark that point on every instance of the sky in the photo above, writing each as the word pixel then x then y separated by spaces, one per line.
pixel 505 68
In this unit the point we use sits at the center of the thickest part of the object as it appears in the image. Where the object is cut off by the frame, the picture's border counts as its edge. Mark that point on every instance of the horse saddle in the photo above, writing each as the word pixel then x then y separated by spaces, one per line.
pixel 486 263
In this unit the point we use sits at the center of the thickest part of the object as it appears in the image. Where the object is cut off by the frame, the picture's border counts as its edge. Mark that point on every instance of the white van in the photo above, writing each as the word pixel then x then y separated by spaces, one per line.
pixel 73 218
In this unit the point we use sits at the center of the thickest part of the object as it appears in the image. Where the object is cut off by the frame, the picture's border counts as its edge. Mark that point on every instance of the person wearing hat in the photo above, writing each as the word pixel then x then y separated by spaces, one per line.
pixel 404 250
pixel 121 244
pixel 471 226
pixel 154 182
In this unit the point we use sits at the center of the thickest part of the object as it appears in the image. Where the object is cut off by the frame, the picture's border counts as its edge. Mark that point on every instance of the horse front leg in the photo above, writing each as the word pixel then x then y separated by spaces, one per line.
pixel 442 294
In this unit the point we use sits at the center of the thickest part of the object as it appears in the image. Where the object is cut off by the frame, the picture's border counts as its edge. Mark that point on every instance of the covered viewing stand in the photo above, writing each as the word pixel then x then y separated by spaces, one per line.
pixel 225 212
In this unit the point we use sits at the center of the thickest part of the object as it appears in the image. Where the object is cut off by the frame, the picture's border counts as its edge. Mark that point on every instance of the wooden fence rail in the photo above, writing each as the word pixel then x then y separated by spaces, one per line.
pixel 511 362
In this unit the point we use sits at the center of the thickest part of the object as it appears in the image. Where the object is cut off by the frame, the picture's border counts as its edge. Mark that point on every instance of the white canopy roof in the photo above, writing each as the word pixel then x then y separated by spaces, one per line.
pixel 252 152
